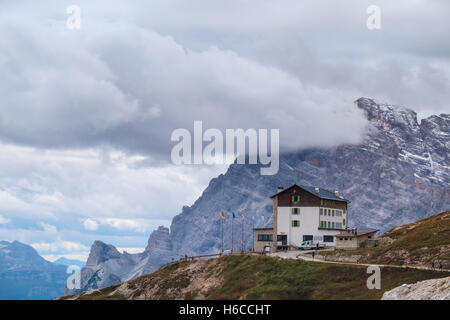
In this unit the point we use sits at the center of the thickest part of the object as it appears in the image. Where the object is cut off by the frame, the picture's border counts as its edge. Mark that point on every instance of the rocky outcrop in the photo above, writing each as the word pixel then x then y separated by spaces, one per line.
pixel 159 249
pixel 101 252
pixel 435 289
pixel 106 266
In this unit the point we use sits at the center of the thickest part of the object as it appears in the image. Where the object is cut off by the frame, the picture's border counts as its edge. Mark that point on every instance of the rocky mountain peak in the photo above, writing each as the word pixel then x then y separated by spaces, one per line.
pixel 16 254
pixel 439 124
pixel 160 238
pixel 24 274
pixel 101 252
pixel 388 116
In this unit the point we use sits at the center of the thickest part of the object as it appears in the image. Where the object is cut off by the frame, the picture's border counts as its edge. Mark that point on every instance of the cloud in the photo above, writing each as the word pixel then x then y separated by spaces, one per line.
pixel 137 225
pixel 90 224
pixel 48 228
pixel 93 184
pixel 86 195
pixel 135 72
pixel 130 250
pixel 128 86
pixel 65 246
pixel 4 220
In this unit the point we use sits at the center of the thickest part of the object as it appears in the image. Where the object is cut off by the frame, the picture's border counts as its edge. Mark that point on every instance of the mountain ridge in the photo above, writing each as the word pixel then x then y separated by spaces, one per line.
pixel 24 274
pixel 398 174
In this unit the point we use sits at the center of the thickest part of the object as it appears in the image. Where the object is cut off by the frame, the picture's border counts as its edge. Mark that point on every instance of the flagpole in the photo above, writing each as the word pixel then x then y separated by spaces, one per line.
pixel 253 240
pixel 232 234
pixel 242 235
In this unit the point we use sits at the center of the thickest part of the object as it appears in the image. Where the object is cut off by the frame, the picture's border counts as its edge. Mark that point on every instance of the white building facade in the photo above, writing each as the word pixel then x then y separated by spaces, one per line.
pixel 303 213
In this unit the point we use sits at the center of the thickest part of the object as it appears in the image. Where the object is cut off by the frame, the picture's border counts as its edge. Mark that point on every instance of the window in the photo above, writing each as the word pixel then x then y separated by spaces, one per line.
pixel 329 212
pixel 332 225
pixel 321 211
pixel 327 238
pixel 343 222
pixel 307 237
pixel 264 237
pixel 338 225
pixel 332 213
pixel 295 210
pixel 295 198
pixel 295 223
pixel 370 237
pixel 329 224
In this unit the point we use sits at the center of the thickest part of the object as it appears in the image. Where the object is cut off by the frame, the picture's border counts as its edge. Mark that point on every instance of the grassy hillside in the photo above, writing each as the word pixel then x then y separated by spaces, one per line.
pixel 418 243
pixel 258 277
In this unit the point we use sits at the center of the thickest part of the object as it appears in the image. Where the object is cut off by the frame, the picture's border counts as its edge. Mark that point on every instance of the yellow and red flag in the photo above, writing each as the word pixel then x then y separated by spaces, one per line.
pixel 223 216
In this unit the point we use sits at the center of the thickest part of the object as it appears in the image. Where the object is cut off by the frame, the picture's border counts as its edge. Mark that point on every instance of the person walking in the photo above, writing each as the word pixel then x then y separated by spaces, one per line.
pixel 440 266
pixel 313 254
pixel 432 265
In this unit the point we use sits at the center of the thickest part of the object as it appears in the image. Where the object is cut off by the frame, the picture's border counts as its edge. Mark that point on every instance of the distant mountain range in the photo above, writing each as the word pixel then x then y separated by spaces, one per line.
pixel 68 262
pixel 400 173
pixel 25 275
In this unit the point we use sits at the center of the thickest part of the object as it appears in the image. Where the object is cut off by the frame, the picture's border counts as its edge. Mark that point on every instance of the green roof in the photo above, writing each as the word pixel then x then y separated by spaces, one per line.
pixel 322 194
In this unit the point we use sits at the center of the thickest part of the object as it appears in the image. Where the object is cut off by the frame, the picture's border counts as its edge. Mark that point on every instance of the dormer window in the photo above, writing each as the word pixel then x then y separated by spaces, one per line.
pixel 295 198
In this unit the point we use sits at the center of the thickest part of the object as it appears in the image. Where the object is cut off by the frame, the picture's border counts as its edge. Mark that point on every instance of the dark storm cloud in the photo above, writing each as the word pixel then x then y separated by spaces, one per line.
pixel 136 70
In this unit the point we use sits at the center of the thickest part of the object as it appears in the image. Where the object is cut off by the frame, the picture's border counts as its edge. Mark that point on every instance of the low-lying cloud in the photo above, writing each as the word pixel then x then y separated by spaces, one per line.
pixel 129 87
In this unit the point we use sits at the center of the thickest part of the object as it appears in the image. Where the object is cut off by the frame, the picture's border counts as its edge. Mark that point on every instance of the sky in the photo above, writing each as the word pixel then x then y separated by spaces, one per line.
pixel 86 114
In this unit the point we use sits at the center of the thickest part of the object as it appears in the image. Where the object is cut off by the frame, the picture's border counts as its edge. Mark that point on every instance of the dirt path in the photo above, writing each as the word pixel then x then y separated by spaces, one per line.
pixel 303 256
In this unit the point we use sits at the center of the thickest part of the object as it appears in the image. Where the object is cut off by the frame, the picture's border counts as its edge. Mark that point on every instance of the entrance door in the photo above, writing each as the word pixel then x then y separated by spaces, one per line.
pixel 283 239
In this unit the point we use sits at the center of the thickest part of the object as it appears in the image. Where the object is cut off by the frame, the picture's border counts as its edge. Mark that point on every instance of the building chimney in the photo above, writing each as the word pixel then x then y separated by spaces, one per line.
pixel 279 189
pixel 336 193
pixel 316 189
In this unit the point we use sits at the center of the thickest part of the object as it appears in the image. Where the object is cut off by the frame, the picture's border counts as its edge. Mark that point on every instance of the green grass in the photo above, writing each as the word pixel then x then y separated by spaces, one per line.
pixel 262 277
pixel 424 241
pixel 259 277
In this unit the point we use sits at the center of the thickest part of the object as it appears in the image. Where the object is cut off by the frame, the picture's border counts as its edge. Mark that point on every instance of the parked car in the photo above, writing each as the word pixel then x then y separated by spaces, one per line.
pixel 226 252
pixel 310 245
